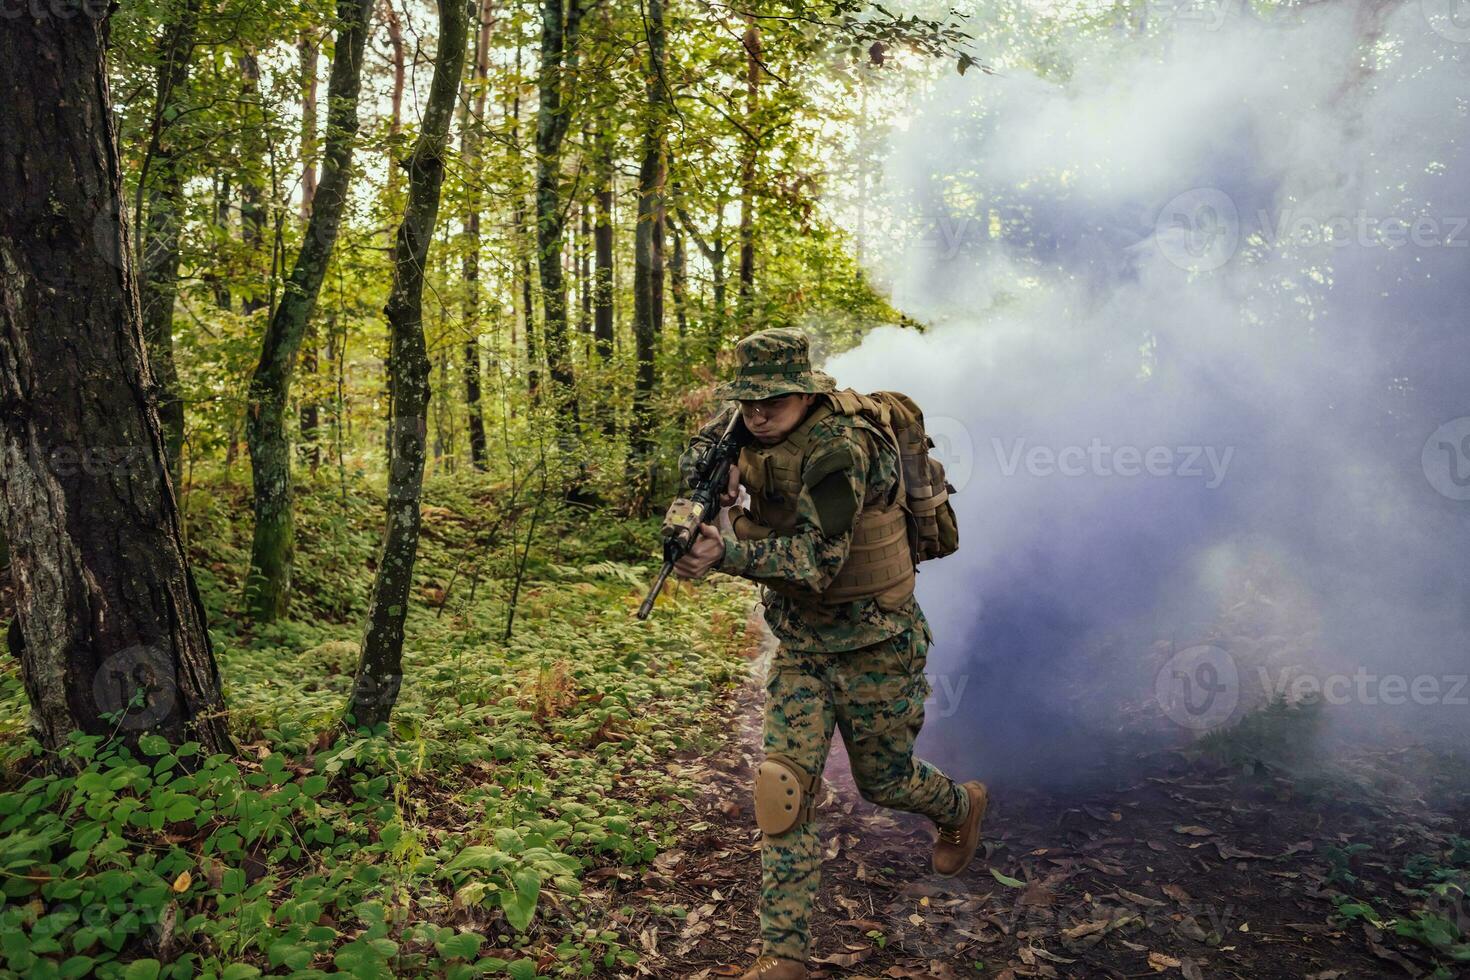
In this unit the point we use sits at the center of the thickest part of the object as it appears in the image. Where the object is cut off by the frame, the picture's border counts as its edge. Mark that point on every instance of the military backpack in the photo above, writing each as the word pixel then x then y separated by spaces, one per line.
pixel 934 530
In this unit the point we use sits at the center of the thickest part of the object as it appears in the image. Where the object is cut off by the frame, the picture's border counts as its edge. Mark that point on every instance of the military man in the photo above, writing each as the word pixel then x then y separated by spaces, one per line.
pixel 825 535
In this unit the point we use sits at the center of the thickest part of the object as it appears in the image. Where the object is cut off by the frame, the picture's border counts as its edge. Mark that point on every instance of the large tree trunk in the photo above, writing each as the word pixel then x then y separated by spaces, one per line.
pixel 648 273
pixel 163 184
pixel 110 618
pixel 560 20
pixel 380 670
pixel 268 588
pixel 470 134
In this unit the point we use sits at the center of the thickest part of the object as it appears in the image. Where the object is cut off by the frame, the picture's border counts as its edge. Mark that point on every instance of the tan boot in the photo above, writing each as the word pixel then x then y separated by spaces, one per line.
pixel 774 968
pixel 955 847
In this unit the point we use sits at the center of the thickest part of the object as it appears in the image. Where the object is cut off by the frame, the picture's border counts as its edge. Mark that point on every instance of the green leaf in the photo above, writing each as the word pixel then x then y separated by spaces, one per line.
pixel 520 906
pixel 522 969
pixel 77 966
pixel 142 969
pixel 462 946
pixel 239 971
pixel 289 954
pixel 1006 879
pixel 151 744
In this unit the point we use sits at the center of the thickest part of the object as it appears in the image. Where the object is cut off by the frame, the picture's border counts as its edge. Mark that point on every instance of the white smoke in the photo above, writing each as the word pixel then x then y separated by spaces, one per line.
pixel 1196 314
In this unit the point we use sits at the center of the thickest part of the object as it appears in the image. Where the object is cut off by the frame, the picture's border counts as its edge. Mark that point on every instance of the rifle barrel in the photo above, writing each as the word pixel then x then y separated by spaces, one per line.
pixel 658 586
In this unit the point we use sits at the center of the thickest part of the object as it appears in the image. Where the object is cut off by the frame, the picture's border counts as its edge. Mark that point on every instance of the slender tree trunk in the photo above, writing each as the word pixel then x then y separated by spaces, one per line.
pixel 268 587
pixel 714 254
pixel 679 290
pixel 602 247
pixel 111 622
pixel 379 669
pixel 471 127
pixel 310 405
pixel 560 20
pixel 525 246
pixel 252 192
pixel 648 273
pixel 164 187
pixel 749 160
pixel 395 112
pixel 308 51
pixel 221 191
pixel 584 275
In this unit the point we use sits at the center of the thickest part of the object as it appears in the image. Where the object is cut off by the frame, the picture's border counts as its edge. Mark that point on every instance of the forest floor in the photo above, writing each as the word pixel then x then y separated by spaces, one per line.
pixel 565 791
pixel 1186 867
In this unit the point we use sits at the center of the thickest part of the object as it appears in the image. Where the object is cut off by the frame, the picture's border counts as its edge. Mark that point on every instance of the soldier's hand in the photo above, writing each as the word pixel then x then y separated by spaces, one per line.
pixel 706 552
pixel 732 490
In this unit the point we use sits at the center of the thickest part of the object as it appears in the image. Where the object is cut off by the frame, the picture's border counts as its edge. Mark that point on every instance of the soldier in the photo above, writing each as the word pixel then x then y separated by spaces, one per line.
pixel 825 535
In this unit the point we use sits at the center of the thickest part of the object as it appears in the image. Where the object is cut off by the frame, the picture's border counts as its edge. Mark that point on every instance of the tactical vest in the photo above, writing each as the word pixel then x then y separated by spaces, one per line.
pixel 880 559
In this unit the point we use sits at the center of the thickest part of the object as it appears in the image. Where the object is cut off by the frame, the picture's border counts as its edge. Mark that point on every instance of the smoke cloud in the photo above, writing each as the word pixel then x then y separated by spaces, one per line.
pixel 1199 366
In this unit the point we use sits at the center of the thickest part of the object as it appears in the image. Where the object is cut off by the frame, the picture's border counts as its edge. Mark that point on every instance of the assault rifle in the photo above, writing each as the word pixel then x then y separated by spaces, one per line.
pixel 681 523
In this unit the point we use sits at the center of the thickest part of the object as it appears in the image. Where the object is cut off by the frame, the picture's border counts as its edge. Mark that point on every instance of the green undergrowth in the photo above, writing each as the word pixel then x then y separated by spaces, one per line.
pixel 460 842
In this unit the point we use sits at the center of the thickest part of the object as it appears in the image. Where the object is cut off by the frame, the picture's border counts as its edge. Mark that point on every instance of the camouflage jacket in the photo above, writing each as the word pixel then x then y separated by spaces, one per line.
pixel 809 558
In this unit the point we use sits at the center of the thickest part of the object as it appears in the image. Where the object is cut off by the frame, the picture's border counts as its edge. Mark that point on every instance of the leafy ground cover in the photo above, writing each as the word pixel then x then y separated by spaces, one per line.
pixel 458 844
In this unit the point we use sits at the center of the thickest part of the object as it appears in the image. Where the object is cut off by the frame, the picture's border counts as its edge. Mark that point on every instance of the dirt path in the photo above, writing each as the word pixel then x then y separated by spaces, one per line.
pixel 1177 871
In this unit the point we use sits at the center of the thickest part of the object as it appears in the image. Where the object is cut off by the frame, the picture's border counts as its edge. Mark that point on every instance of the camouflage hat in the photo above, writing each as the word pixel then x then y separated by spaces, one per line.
pixel 772 363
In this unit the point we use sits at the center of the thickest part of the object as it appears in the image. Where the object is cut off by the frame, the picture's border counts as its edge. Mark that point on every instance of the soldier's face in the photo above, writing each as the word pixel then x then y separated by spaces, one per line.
pixel 772 419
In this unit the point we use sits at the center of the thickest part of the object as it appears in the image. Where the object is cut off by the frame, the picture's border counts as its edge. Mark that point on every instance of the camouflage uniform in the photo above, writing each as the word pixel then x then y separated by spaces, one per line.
pixel 854 665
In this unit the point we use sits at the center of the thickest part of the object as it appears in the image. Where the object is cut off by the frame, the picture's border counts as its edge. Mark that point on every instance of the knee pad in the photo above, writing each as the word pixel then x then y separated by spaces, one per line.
pixel 785 795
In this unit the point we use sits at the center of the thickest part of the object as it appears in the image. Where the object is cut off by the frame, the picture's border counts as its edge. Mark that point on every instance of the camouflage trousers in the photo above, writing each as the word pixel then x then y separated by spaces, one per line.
pixel 875 695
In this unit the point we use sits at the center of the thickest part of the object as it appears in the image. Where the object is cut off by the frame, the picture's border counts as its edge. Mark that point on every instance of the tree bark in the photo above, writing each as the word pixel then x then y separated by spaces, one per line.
pixel 560 22
pixel 523 248
pixel 470 135
pixel 714 253
pixel 268 587
pixel 745 291
pixel 252 193
pixel 114 632
pixel 602 247
pixel 678 290
pixel 584 275
pixel 395 112
pixel 380 667
pixel 163 184
pixel 648 273
pixel 310 420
